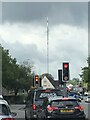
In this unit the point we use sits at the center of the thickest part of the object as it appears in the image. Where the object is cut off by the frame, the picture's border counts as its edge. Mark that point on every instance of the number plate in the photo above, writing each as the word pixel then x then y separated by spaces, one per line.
pixel 66 111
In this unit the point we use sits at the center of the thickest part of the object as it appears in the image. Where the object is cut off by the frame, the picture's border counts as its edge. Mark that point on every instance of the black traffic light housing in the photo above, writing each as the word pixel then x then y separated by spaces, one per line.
pixel 65 71
pixel 36 79
pixel 60 76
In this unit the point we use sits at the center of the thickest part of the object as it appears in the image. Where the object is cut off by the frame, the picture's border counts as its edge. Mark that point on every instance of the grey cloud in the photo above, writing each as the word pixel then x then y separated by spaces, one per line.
pixel 73 51
pixel 0 12
pixel 24 12
pixel 22 52
pixel 58 12
pixel 76 57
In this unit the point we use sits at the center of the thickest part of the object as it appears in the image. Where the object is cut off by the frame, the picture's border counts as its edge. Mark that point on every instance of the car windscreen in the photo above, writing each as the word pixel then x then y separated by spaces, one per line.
pixel 64 103
pixel 4 110
pixel 47 93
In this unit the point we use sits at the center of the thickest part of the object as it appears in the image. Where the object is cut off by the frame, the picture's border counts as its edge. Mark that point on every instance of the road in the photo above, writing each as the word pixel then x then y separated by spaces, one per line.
pixel 19 109
pixel 86 108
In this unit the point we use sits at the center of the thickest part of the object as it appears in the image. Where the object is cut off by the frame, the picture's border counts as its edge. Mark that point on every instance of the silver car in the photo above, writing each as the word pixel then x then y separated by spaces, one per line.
pixel 5 112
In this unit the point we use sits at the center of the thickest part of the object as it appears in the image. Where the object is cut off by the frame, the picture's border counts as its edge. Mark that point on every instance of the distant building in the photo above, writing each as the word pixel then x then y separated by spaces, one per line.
pixel 48 82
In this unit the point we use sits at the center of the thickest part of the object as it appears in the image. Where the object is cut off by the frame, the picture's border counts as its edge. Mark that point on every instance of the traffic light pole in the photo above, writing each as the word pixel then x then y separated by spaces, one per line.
pixel 65 90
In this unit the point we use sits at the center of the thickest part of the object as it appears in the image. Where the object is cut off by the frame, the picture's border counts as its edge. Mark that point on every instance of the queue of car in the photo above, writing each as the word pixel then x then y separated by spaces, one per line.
pixel 47 103
pixel 50 103
pixel 35 100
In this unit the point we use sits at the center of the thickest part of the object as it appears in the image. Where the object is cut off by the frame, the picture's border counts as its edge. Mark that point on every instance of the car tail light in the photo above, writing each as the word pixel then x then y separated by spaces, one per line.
pixel 50 109
pixel 34 107
pixel 47 90
pixel 81 108
pixel 7 119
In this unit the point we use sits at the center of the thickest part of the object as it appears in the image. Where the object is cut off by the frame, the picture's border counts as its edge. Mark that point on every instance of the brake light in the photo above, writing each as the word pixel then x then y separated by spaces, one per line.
pixel 34 107
pixel 47 90
pixel 7 119
pixel 81 108
pixel 50 109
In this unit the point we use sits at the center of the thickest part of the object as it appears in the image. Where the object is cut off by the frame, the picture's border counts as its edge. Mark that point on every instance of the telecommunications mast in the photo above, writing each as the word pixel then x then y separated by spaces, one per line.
pixel 47 47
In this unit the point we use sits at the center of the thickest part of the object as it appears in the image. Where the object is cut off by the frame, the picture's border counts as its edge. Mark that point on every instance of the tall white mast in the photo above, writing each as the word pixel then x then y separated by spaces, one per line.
pixel 47 47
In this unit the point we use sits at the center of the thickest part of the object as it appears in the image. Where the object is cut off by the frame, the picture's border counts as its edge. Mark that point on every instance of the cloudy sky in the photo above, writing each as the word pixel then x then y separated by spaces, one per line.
pixel 23 31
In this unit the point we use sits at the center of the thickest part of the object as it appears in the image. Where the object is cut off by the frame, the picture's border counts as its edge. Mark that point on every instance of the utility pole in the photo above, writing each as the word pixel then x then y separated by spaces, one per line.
pixel 47 47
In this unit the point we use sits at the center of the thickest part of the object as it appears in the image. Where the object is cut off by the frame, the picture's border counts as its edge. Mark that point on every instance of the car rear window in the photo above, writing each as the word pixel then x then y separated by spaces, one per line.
pixel 39 102
pixel 64 103
pixel 47 93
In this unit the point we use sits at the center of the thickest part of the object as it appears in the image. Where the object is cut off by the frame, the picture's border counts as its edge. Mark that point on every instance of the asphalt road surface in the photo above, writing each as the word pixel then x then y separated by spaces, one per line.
pixel 86 108
pixel 19 109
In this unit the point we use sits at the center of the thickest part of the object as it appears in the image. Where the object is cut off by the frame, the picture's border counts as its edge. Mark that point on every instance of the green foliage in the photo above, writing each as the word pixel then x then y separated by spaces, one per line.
pixel 74 81
pixel 85 75
pixel 15 76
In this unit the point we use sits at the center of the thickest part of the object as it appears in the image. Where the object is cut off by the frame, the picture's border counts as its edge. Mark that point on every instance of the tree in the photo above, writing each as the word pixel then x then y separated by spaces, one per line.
pixel 15 76
pixel 25 77
pixel 85 75
pixel 74 81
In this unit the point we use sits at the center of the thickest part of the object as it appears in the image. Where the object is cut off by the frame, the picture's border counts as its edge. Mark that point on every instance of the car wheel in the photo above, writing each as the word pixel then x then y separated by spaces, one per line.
pixel 83 119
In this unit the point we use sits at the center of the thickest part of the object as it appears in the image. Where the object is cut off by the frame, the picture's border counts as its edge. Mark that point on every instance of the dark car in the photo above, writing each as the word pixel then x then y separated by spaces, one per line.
pixel 62 108
pixel 35 100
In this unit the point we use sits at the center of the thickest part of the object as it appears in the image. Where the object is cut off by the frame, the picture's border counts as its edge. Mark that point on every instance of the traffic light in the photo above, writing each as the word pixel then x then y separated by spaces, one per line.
pixel 36 79
pixel 60 76
pixel 40 82
pixel 65 72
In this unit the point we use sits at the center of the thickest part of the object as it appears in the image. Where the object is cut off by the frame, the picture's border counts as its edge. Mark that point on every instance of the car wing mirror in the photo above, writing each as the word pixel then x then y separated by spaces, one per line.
pixel 13 114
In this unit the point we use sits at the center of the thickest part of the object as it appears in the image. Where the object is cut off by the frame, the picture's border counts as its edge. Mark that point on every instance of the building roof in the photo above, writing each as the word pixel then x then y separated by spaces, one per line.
pixel 55 83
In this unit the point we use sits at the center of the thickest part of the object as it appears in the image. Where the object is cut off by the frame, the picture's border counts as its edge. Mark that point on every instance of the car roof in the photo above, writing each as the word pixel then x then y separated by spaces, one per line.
pixel 42 89
pixel 4 102
pixel 61 98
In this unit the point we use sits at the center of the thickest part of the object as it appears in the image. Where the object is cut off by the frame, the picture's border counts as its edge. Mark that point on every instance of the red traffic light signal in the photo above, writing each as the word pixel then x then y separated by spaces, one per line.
pixel 66 65
pixel 65 72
